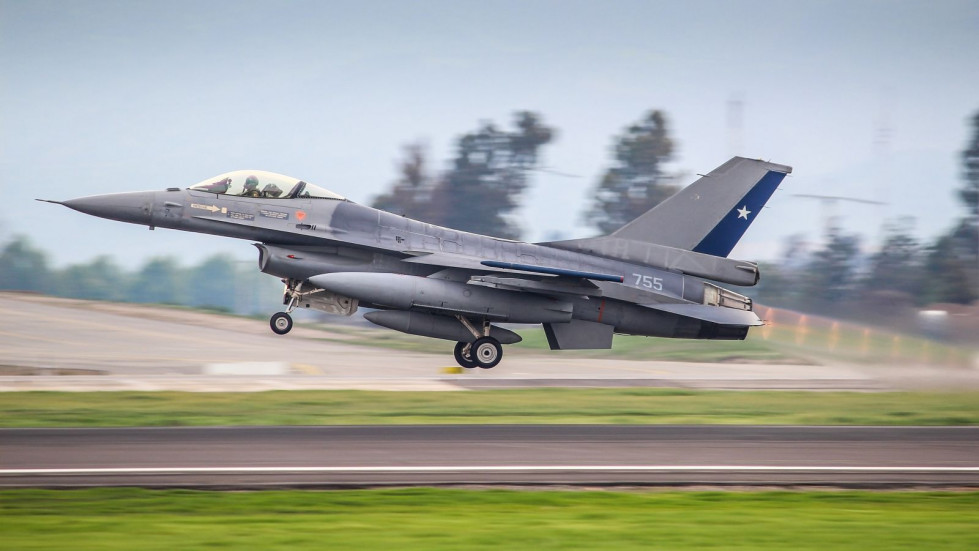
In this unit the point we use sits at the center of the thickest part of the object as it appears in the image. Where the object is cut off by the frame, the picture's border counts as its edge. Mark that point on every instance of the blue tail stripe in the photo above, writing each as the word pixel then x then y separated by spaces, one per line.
pixel 726 234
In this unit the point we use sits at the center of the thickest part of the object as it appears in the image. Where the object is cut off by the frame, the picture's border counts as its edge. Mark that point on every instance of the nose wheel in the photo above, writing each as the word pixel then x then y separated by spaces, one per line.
pixel 281 323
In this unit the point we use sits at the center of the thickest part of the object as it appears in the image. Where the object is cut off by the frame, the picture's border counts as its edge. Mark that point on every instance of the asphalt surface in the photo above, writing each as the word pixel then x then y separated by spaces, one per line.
pixel 576 455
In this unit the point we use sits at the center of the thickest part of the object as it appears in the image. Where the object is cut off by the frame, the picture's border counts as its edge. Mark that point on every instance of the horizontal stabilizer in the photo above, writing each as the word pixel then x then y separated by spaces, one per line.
pixel 713 314
pixel 727 270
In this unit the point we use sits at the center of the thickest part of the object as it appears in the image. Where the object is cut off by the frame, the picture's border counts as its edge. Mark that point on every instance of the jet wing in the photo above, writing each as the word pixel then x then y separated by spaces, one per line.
pixel 715 314
pixel 482 265
pixel 551 286
pixel 447 260
pixel 451 260
pixel 560 281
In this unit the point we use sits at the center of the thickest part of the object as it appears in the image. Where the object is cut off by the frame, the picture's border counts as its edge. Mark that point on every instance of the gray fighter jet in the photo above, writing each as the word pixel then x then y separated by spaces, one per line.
pixel 653 276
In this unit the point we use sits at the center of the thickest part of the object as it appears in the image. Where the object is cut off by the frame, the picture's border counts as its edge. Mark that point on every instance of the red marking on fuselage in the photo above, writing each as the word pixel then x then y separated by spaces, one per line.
pixel 601 311
pixel 300 215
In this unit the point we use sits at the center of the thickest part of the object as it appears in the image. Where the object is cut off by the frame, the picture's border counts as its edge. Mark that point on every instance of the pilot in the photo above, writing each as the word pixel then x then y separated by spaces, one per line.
pixel 251 187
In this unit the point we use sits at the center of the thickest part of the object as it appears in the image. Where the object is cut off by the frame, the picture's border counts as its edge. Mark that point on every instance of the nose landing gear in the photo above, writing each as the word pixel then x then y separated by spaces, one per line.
pixel 281 323
pixel 299 294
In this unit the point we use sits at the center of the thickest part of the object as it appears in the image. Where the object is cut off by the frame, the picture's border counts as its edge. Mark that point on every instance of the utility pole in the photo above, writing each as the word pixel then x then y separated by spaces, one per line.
pixel 735 125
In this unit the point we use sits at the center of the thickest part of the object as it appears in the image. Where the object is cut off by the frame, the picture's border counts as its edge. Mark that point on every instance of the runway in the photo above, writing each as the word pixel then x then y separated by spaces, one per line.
pixel 573 455
pixel 49 343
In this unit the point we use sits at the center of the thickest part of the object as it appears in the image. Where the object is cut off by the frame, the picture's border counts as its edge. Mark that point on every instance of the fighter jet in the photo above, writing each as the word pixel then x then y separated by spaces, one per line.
pixel 656 276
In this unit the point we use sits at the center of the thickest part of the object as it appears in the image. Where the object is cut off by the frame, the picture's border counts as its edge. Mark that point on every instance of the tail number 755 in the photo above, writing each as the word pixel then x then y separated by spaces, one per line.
pixel 649 282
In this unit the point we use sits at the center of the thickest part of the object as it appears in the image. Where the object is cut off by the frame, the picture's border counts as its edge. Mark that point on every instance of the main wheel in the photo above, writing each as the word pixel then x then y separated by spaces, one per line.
pixel 465 360
pixel 281 323
pixel 486 352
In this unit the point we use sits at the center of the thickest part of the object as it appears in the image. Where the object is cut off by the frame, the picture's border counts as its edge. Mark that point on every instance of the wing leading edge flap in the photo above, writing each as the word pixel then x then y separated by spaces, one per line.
pixel 552 286
pixel 452 260
pixel 553 271
pixel 715 314
pixel 483 265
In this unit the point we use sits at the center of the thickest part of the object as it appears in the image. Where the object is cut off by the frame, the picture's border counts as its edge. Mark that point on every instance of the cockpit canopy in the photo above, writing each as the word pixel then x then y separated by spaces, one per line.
pixel 259 183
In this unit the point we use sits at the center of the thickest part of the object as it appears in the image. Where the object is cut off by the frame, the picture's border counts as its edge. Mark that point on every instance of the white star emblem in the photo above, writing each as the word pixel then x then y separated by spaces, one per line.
pixel 743 212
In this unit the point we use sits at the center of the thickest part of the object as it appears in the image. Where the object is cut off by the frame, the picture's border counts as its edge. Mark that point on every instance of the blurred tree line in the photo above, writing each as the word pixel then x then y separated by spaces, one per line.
pixel 491 169
pixel 637 180
pixel 483 187
pixel 219 282
pixel 905 273
pixel 481 190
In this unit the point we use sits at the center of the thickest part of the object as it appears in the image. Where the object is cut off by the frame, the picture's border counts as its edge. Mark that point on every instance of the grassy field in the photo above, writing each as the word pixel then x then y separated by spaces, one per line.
pixel 434 519
pixel 347 407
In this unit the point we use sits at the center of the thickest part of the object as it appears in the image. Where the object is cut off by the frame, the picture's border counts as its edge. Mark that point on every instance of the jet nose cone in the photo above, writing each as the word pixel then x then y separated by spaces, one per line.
pixel 136 208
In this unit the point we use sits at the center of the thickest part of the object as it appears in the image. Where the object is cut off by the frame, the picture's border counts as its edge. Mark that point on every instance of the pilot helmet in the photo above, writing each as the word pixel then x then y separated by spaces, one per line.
pixel 251 183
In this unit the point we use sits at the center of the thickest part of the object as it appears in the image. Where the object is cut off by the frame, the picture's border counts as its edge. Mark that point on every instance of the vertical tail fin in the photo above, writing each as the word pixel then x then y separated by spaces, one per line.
pixel 710 215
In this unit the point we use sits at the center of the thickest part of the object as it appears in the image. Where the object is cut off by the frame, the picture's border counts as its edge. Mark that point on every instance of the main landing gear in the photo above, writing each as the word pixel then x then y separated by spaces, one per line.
pixel 485 352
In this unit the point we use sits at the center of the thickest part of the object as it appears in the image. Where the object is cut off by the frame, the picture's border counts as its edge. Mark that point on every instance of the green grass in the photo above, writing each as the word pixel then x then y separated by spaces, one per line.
pixel 346 407
pixel 433 519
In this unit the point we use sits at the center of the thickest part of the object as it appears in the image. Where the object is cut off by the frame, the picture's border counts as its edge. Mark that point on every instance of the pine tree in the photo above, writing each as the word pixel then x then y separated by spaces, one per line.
pixel 637 180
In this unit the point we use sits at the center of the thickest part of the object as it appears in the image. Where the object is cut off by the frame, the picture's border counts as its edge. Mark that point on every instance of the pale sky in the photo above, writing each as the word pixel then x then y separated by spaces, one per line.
pixel 100 97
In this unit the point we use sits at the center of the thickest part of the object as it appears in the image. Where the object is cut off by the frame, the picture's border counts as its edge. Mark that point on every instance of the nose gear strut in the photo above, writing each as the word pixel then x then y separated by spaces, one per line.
pixel 281 322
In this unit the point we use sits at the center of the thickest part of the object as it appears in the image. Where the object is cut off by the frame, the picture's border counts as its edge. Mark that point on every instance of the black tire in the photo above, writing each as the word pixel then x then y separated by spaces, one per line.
pixel 464 361
pixel 281 323
pixel 486 352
